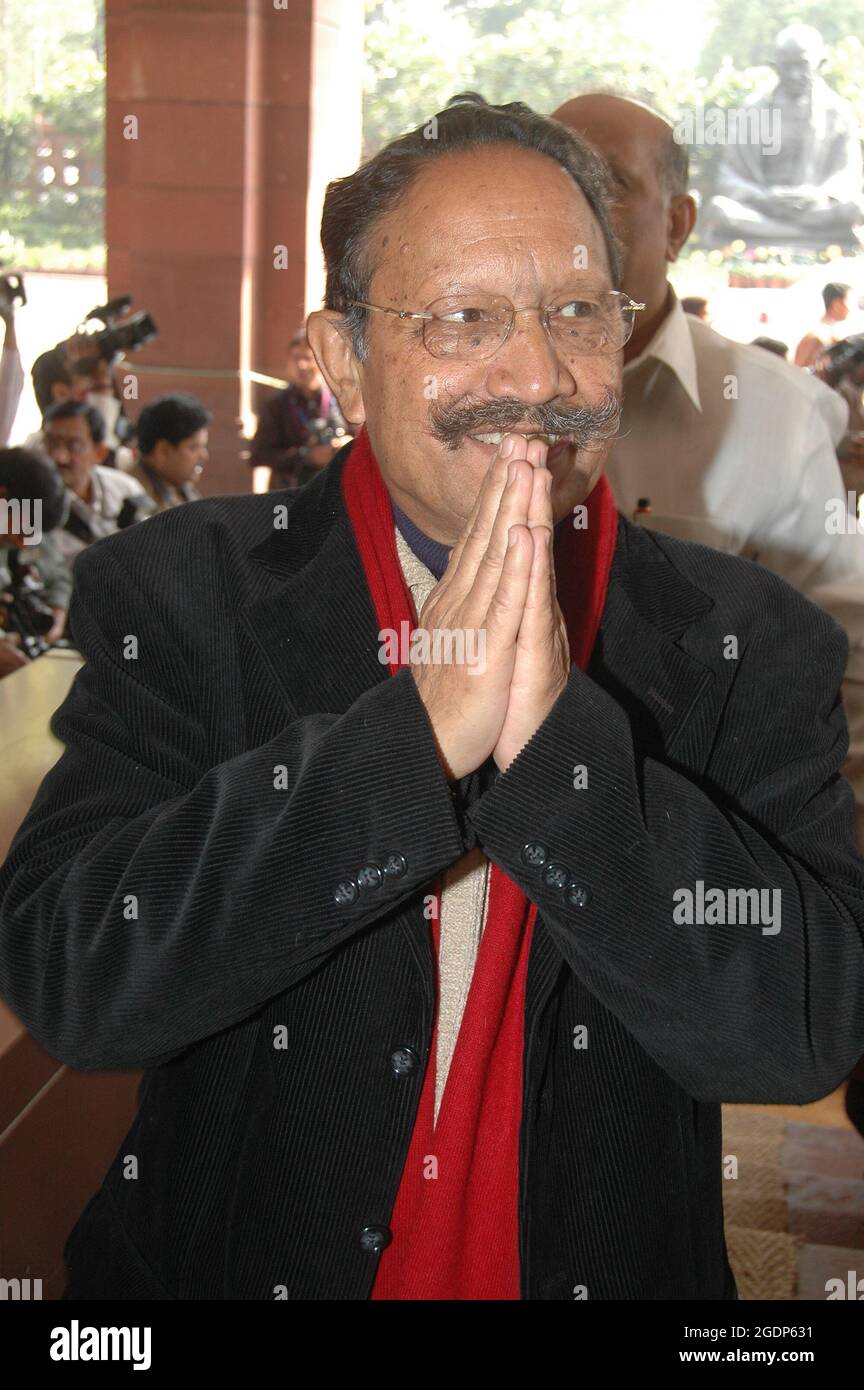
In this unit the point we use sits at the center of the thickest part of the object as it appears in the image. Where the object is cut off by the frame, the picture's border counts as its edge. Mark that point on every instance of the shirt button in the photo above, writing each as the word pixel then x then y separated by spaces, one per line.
pixel 373 1239
pixel 578 894
pixel 394 866
pixel 534 854
pixel 403 1061
pixel 369 877
pixel 346 892
pixel 555 876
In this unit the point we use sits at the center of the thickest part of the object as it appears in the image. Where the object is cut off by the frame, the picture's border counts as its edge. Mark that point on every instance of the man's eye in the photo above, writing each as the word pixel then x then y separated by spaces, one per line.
pixel 577 309
pixel 465 315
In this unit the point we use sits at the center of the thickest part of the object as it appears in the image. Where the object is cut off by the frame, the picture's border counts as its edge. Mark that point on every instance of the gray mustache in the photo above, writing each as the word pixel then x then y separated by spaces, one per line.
pixel 451 423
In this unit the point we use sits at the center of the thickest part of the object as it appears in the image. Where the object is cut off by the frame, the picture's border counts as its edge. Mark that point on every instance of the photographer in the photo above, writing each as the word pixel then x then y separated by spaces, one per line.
pixel 74 439
pixel 11 371
pixel 35 582
pixel 301 427
pixel 172 447
pixel 842 366
pixel 81 368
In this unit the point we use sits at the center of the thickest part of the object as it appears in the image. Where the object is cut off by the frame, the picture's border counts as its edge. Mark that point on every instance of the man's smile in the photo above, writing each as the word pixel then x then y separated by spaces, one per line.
pixel 496 437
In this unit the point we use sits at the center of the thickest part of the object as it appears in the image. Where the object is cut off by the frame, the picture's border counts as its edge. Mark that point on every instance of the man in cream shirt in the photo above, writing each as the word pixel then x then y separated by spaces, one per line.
pixel 732 447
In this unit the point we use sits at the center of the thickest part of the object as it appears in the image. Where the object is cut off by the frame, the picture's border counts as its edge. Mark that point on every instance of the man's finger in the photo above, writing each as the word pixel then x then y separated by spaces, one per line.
pixel 475 540
pixel 505 612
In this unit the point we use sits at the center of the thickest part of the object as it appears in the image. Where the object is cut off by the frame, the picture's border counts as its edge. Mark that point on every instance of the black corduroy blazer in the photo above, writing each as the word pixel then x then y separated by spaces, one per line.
pixel 182 898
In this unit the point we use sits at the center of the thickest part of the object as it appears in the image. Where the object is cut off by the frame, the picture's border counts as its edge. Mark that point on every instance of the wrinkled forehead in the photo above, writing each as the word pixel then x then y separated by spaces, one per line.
pixel 504 219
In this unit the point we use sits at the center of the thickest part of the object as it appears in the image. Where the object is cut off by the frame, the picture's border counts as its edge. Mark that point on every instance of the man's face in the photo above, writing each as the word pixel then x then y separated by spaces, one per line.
pixel 302 370
pixel 184 462
pixel 797 72
pixel 628 139
pixel 102 377
pixel 82 385
pixel 505 222
pixel 838 309
pixel 70 445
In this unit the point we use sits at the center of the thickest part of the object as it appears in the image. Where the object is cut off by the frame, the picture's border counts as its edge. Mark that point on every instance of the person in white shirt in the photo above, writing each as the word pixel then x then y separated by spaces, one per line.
pixel 835 297
pixel 11 373
pixel 717 434
pixel 73 434
pixel 731 445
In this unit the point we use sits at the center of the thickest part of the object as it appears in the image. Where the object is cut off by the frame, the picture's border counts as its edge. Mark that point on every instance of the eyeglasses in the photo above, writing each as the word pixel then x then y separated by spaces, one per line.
pixel 476 326
pixel 74 446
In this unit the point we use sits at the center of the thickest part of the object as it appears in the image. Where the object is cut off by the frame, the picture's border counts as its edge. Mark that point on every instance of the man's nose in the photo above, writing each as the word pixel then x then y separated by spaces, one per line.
pixel 528 365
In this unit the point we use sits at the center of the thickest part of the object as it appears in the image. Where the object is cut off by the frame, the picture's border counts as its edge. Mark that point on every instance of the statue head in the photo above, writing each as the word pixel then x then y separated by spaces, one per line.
pixel 798 55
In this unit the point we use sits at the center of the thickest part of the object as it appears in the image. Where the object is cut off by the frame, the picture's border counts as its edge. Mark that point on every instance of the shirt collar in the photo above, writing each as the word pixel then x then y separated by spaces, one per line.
pixel 673 344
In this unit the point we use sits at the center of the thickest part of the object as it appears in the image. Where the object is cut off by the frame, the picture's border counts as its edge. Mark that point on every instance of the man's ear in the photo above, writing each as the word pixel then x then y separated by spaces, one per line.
pixel 681 219
pixel 101 452
pixel 333 351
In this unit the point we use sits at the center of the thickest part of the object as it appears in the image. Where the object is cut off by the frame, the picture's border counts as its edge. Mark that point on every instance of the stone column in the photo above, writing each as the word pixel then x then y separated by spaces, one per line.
pixel 225 119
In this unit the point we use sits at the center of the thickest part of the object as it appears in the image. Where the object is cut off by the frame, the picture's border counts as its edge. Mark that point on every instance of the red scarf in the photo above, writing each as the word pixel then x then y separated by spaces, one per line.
pixel 455 1222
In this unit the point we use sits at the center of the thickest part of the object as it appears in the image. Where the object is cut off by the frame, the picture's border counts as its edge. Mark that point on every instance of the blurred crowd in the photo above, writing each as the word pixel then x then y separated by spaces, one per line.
pixel 89 470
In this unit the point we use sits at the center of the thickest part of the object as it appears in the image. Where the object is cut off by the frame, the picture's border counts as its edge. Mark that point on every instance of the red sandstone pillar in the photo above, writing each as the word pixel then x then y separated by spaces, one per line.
pixel 225 119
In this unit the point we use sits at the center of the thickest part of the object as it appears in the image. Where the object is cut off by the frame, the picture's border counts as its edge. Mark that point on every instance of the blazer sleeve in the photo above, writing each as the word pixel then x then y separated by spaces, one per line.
pixel 151 899
pixel 733 1012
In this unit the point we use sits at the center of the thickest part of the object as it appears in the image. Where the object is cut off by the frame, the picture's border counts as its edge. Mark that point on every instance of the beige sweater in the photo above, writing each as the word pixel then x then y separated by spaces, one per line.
pixel 464 896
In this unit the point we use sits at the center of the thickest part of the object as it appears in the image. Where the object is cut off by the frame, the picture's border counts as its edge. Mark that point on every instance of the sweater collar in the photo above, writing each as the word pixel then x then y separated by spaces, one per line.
pixel 433 554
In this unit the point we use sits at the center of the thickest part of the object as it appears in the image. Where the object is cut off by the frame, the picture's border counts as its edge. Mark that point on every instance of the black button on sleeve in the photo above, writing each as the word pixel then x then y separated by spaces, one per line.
pixel 555 876
pixel 370 876
pixel 395 866
pixel 578 894
pixel 346 892
pixel 534 855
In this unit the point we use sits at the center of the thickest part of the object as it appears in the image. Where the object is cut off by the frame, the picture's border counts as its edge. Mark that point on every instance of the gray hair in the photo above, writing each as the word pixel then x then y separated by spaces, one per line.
pixel 354 203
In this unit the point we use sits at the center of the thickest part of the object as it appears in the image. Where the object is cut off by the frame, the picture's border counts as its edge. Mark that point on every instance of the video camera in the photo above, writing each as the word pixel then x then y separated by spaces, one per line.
pixel 25 611
pixel 121 331
pixel 12 292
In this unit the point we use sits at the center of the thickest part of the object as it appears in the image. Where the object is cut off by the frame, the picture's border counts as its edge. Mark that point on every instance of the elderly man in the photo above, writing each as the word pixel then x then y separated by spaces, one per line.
pixel 424 925
pixel 733 447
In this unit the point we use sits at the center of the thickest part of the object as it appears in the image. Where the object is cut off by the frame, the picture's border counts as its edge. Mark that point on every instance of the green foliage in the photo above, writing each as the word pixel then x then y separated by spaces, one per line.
pixel 544 51
pixel 748 38
pixel 51 66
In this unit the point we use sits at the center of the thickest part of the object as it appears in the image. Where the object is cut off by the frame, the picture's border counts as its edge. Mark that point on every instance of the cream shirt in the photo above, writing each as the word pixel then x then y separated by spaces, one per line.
pixel 464 894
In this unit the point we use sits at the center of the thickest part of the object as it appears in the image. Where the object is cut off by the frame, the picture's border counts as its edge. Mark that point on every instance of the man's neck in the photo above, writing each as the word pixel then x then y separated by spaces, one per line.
pixel 309 393
pixel 85 492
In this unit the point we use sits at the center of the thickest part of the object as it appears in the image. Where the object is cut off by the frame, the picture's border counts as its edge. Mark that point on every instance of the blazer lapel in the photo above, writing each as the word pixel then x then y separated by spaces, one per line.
pixel 317 629
pixel 637 659
pixel 638 656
